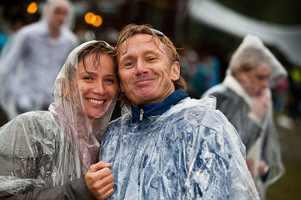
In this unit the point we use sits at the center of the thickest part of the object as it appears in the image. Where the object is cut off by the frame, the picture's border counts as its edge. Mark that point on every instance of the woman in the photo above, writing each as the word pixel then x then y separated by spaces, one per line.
pixel 50 148
pixel 245 98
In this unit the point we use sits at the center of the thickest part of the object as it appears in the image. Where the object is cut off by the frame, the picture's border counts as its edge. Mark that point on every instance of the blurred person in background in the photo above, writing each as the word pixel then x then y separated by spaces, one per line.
pixel 47 154
pixel 3 38
pixel 207 74
pixel 32 58
pixel 189 63
pixel 245 98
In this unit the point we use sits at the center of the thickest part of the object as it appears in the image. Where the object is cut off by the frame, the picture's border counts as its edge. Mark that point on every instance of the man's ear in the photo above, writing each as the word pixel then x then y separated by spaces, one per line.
pixel 175 71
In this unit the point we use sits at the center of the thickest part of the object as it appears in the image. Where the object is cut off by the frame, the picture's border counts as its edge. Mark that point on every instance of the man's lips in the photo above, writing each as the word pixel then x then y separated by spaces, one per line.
pixel 143 81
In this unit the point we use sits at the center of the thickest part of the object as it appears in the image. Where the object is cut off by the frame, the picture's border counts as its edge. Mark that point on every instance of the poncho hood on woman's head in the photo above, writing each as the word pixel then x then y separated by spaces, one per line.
pixel 69 112
pixel 243 55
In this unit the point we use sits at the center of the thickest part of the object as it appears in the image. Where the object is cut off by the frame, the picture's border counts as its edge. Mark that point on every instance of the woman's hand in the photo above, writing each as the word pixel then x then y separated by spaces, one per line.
pixel 100 180
pixel 261 105
pixel 260 170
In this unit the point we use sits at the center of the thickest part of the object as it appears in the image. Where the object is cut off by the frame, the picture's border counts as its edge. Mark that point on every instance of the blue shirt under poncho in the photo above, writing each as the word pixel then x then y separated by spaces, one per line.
pixel 181 148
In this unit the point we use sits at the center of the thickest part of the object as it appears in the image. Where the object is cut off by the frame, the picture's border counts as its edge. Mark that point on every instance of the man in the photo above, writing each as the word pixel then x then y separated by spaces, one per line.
pixel 33 57
pixel 167 145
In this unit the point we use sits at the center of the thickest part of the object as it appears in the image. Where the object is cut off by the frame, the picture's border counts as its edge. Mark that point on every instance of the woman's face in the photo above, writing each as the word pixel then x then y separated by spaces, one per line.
pixel 97 84
pixel 256 80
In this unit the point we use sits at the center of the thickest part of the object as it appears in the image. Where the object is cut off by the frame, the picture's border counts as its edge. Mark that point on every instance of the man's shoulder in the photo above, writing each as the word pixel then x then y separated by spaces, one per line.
pixel 201 112
pixel 116 123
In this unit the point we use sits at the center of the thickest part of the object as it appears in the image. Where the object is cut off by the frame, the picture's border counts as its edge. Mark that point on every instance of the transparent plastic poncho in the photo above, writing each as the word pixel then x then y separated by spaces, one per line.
pixel 189 152
pixel 258 135
pixel 49 148
pixel 31 60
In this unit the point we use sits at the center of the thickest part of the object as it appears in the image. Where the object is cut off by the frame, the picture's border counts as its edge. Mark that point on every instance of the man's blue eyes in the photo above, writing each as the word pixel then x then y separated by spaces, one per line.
pixel 132 63
pixel 129 64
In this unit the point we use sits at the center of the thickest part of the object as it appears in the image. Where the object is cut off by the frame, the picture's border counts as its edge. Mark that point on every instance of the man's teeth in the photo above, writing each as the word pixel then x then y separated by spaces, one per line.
pixel 95 101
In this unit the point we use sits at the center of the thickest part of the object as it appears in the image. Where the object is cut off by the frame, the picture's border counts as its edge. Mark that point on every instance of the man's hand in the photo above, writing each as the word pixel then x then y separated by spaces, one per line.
pixel 100 180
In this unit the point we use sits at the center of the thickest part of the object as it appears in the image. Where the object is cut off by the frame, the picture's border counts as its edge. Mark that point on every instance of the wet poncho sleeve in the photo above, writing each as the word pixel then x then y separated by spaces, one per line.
pixel 72 190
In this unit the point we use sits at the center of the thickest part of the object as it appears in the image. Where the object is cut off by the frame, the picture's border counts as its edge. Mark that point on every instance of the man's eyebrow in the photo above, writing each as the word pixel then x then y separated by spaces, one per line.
pixel 128 57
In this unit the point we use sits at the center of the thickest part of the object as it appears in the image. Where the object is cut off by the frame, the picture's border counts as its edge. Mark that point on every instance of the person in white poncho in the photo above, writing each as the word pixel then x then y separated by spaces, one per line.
pixel 245 98
pixel 32 58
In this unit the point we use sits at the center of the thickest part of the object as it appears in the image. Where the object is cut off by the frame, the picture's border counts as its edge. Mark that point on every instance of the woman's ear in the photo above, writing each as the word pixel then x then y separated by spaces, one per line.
pixel 175 71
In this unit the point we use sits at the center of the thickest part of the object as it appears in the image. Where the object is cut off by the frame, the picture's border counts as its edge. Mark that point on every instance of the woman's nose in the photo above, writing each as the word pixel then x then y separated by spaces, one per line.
pixel 100 88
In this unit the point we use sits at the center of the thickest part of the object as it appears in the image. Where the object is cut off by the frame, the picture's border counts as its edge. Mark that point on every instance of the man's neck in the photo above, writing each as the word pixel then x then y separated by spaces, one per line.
pixel 54 32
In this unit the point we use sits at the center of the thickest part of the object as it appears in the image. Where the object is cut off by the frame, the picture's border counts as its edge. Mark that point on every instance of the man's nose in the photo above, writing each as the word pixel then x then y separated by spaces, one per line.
pixel 141 67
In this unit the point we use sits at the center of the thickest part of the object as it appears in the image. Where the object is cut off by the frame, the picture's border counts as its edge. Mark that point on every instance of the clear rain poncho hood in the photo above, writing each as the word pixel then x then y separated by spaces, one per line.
pixel 258 135
pixel 49 148
pixel 187 151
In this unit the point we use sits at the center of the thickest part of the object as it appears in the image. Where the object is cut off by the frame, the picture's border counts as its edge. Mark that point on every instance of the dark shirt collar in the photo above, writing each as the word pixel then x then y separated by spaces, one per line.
pixel 143 111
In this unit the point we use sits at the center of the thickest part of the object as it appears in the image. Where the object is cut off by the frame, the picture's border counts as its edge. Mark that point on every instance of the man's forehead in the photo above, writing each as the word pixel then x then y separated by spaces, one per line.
pixel 140 39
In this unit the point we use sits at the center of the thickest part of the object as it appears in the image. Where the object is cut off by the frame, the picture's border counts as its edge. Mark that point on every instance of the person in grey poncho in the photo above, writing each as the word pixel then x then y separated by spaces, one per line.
pixel 167 145
pixel 32 58
pixel 47 154
pixel 245 98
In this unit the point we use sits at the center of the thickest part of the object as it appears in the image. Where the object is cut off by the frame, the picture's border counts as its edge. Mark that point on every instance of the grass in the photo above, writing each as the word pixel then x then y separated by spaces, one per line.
pixel 288 187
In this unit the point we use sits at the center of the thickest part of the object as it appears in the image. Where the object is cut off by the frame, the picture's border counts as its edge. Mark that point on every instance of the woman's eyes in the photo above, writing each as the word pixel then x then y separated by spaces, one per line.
pixel 110 80
pixel 87 78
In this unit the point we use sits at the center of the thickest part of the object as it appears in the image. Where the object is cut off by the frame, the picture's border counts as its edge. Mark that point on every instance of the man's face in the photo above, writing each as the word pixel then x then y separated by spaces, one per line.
pixel 59 16
pixel 145 70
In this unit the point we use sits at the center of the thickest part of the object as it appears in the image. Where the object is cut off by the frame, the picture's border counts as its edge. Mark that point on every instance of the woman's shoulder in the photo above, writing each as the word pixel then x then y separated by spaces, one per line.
pixel 218 90
pixel 20 135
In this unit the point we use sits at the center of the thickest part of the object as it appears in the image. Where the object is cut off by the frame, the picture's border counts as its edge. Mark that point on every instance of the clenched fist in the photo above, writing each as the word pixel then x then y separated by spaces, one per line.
pixel 100 180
